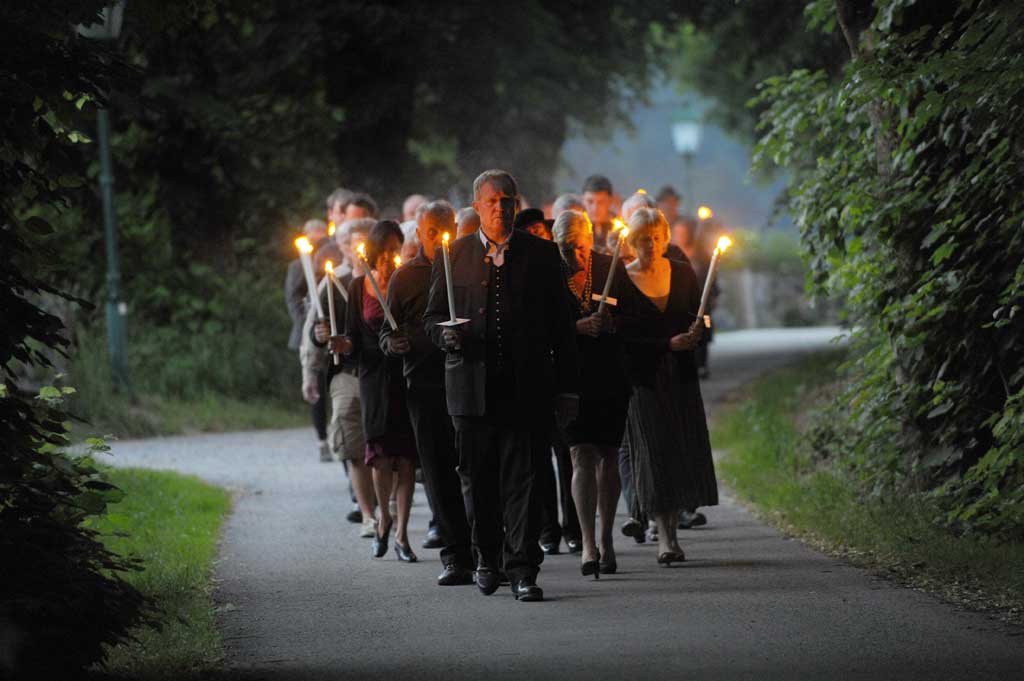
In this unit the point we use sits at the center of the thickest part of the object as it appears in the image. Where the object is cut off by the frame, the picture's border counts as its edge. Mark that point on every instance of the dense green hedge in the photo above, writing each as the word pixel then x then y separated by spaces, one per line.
pixel 910 200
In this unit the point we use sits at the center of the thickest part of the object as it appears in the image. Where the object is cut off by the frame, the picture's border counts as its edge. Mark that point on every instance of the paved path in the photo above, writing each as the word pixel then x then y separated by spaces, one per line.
pixel 302 599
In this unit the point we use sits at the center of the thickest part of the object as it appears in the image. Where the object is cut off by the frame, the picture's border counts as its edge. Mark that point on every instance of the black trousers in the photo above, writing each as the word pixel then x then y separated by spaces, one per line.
pixel 499 464
pixel 435 442
pixel 557 494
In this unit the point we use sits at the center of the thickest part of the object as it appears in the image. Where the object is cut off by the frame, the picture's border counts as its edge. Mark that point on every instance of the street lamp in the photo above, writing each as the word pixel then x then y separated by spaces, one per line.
pixel 686 133
pixel 109 28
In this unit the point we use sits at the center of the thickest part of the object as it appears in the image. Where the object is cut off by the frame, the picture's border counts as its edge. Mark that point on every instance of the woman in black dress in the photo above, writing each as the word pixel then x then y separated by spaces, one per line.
pixel 594 436
pixel 390 444
pixel 669 448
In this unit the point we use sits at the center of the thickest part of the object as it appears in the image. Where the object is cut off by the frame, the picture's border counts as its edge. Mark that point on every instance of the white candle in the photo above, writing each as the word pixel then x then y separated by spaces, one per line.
pixel 623 233
pixel 723 244
pixel 361 250
pixel 329 268
pixel 305 248
pixel 448 276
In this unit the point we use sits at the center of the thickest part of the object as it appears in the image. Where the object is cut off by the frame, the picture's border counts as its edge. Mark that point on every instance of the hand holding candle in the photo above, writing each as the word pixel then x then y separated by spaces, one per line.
pixel 361 251
pixel 619 226
pixel 329 269
pixel 723 245
pixel 305 249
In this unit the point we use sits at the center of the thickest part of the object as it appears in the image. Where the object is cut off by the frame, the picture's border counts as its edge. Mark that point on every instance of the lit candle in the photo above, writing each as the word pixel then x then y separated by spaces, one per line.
pixel 329 269
pixel 705 213
pixel 361 250
pixel 723 244
pixel 305 248
pixel 453 321
pixel 331 228
pixel 620 227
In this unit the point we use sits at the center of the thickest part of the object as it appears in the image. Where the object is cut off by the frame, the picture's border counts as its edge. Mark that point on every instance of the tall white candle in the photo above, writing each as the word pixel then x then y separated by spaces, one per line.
pixel 448 276
pixel 329 268
pixel 623 233
pixel 361 250
pixel 305 249
pixel 723 244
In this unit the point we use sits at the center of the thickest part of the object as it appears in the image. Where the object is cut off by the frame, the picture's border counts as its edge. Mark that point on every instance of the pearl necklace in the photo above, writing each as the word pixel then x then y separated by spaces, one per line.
pixel 588 287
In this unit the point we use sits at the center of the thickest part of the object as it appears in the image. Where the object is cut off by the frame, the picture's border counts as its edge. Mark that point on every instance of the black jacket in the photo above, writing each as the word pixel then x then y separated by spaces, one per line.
pixel 408 290
pixel 541 338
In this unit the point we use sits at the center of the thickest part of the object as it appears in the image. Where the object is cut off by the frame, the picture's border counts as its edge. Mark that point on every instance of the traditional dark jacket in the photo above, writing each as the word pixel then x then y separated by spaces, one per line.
pixel 539 339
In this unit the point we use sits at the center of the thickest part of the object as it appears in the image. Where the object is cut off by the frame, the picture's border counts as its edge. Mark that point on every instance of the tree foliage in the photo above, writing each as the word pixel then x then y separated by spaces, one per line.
pixel 61 599
pixel 910 201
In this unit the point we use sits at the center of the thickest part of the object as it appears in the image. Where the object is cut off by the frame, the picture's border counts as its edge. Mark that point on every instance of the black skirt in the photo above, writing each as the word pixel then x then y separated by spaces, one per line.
pixel 668 443
pixel 601 421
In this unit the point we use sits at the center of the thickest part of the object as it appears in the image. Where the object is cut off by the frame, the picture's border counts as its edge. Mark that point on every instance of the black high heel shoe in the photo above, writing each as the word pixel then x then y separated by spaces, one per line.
pixel 590 567
pixel 608 567
pixel 380 543
pixel 669 557
pixel 405 553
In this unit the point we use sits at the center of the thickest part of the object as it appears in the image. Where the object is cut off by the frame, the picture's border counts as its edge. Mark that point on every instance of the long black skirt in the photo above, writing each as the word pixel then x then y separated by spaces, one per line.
pixel 669 447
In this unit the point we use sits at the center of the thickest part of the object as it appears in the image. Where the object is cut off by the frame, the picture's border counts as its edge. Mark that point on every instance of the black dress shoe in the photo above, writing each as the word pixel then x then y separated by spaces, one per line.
pixel 590 567
pixel 405 553
pixel 691 519
pixel 527 591
pixel 354 516
pixel 487 580
pixel 550 548
pixel 633 528
pixel 575 545
pixel 454 575
pixel 433 539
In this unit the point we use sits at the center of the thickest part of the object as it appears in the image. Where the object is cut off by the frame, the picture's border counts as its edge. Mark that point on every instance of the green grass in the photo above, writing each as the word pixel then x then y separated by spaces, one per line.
pixel 768 462
pixel 173 523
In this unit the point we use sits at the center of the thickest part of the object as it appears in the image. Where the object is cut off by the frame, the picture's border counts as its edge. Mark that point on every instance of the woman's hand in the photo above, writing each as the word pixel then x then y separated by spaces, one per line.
pixel 399 344
pixel 590 326
pixel 689 340
pixel 340 345
pixel 321 331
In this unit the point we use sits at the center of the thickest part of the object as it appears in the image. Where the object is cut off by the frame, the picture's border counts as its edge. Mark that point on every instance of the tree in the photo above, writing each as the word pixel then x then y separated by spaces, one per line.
pixel 62 598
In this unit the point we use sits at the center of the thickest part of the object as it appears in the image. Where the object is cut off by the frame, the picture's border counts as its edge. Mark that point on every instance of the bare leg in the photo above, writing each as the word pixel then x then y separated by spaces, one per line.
pixel 584 494
pixel 405 482
pixel 667 541
pixel 383 482
pixel 608 489
pixel 362 483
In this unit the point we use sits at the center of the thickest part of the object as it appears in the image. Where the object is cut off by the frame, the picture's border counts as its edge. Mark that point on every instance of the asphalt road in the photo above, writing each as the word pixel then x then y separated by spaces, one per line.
pixel 301 598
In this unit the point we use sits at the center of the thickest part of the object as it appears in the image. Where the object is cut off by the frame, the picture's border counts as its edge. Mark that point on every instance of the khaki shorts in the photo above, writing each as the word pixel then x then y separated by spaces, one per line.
pixel 345 431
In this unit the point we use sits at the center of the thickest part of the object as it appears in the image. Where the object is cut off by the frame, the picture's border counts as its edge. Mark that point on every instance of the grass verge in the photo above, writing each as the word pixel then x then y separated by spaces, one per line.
pixel 770 464
pixel 172 522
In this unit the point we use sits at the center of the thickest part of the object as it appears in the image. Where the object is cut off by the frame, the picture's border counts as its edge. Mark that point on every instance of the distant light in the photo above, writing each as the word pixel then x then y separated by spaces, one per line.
pixel 705 213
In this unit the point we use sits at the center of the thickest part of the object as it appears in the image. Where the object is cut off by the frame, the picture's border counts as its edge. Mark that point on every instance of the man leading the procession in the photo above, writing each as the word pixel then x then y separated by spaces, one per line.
pixel 507 371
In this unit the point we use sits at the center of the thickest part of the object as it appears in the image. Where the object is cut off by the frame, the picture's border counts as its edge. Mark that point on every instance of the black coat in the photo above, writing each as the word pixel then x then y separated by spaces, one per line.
pixel 541 338
pixel 408 291
pixel 381 386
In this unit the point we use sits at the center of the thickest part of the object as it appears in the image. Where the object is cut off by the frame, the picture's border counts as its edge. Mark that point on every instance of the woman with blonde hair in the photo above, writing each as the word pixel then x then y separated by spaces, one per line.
pixel 666 428
pixel 594 436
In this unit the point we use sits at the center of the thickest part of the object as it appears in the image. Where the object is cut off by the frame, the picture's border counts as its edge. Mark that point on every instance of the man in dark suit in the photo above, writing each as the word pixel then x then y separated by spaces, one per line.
pixel 507 370
pixel 423 366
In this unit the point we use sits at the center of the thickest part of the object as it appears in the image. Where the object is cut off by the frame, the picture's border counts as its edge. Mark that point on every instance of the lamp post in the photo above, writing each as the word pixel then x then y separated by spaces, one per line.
pixel 109 28
pixel 686 134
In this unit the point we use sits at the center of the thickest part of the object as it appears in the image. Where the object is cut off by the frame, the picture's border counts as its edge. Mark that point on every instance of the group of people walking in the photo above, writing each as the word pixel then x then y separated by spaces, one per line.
pixel 515 366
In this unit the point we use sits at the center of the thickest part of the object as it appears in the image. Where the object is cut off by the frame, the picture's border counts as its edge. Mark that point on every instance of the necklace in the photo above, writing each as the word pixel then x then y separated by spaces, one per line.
pixel 584 296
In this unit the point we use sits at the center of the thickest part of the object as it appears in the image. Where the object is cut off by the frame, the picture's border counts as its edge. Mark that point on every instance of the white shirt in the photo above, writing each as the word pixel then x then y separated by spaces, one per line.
pixel 495 250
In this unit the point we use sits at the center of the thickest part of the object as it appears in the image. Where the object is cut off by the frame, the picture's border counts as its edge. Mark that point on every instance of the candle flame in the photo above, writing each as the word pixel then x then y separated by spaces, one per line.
pixel 723 244
pixel 331 228
pixel 624 233
pixel 329 267
pixel 445 237
pixel 703 212
pixel 361 250
pixel 302 243
pixel 618 224
pixel 398 261
pixel 641 191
